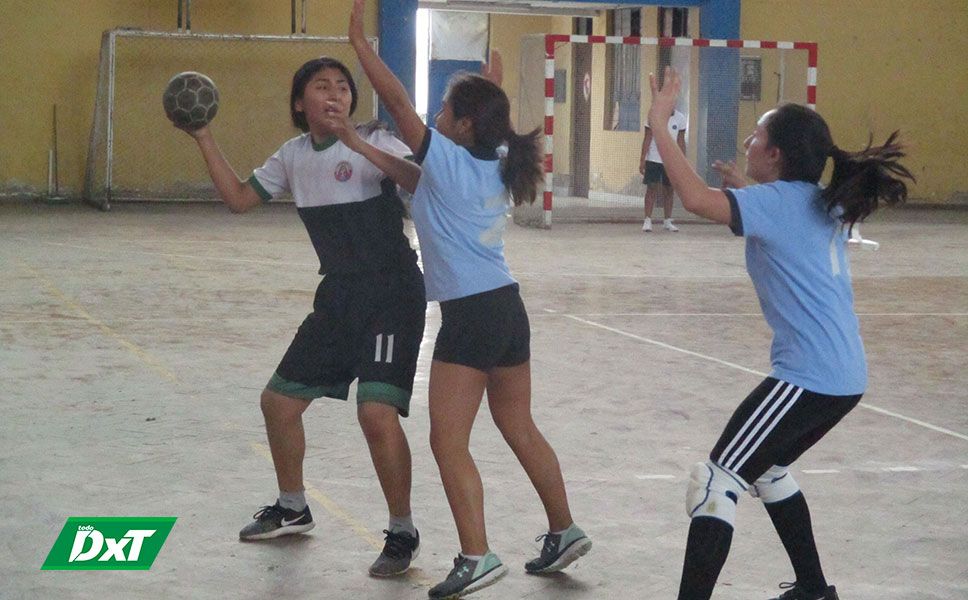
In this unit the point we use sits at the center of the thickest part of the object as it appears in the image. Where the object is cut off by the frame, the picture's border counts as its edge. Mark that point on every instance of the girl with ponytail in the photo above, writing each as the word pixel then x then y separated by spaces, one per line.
pixel 796 255
pixel 472 167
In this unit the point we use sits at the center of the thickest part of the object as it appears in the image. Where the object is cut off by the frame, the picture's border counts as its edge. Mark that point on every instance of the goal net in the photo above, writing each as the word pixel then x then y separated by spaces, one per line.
pixel 590 95
pixel 136 154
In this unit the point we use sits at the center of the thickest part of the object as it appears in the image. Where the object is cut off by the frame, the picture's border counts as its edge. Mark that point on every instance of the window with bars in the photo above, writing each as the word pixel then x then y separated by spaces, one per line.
pixel 623 72
pixel 672 22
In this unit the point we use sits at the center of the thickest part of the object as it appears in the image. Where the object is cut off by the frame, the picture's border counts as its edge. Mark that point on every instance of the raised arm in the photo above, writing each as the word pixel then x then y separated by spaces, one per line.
pixel 238 195
pixel 732 176
pixel 388 87
pixel 696 196
pixel 493 69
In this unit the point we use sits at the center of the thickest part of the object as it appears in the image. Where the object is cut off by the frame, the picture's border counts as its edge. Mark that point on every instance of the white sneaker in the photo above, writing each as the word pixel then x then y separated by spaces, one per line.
pixel 647 224
pixel 668 226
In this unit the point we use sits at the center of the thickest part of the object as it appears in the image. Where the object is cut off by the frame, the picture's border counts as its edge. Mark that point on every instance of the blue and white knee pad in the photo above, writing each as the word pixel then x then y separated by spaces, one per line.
pixel 713 492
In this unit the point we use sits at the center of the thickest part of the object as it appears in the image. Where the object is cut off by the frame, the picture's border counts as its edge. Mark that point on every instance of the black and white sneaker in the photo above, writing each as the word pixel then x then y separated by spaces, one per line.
pixel 273 521
pixel 795 592
pixel 399 551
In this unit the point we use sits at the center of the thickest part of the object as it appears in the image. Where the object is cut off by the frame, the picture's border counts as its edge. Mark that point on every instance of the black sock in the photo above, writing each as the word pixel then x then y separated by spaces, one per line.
pixel 791 518
pixel 706 551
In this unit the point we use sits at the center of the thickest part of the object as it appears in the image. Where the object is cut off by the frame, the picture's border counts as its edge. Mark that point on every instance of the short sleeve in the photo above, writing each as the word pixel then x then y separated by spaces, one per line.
pixel 386 141
pixel 759 209
pixel 440 159
pixel 271 179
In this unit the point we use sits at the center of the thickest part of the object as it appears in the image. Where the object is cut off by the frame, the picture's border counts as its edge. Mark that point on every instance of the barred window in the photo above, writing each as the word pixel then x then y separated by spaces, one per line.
pixel 623 72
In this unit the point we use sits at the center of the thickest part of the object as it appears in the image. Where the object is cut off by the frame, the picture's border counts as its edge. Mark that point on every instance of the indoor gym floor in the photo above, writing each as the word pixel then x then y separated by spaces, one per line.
pixel 134 345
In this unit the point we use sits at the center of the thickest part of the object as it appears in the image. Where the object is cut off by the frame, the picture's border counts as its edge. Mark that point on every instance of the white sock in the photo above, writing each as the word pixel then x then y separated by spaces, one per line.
pixel 473 557
pixel 293 500
pixel 402 524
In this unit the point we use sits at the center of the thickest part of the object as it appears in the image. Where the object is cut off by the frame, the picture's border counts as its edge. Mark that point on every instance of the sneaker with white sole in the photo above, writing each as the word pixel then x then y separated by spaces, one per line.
pixel 795 592
pixel 468 576
pixel 399 551
pixel 559 550
pixel 668 226
pixel 647 224
pixel 273 521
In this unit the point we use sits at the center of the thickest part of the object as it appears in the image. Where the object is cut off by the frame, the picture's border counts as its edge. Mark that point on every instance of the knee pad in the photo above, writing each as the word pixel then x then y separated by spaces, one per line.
pixel 713 492
pixel 775 485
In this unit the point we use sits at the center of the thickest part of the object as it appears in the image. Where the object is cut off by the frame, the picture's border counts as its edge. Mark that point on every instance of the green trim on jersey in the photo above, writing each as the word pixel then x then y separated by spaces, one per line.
pixel 340 391
pixel 384 393
pixel 323 145
pixel 410 157
pixel 254 182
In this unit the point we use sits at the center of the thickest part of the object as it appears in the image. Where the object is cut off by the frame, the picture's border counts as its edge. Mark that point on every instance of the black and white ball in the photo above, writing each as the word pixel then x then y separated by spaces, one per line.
pixel 190 100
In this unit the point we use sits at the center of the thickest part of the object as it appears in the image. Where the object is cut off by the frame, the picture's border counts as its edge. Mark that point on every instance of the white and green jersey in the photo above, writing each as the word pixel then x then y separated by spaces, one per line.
pixel 351 210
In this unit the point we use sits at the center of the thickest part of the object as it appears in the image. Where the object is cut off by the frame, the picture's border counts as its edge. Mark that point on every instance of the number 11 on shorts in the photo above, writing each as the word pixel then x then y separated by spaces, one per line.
pixel 378 356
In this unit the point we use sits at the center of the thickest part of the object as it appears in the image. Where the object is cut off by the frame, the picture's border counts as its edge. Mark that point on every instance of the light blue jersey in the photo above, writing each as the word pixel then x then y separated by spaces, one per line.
pixel 459 210
pixel 796 255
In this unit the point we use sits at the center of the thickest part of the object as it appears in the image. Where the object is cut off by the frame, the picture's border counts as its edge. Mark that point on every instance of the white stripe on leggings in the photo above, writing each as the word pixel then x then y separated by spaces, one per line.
pixel 756 413
pixel 789 404
pixel 759 425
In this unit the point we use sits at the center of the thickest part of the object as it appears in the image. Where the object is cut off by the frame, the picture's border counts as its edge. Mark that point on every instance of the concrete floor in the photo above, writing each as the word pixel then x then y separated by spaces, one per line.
pixel 134 345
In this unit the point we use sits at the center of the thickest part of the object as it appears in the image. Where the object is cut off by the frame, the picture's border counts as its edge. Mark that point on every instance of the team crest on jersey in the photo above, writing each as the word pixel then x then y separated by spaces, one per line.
pixel 344 170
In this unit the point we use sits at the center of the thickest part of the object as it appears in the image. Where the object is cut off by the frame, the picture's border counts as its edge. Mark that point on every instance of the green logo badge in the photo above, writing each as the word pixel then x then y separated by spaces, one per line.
pixel 103 543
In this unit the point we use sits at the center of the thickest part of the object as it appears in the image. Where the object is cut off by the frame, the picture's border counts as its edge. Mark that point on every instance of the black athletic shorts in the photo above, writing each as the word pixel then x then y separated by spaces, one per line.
pixel 655 173
pixel 484 331
pixel 363 326
pixel 774 425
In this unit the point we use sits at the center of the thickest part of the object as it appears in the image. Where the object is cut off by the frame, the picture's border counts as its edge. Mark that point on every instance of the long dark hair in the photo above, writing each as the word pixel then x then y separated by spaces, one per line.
pixel 860 180
pixel 487 106
pixel 301 79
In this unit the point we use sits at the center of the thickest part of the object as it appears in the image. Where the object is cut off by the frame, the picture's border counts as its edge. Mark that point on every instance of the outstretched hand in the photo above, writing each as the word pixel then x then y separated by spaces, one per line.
pixel 355 32
pixel 732 177
pixel 664 98
pixel 493 69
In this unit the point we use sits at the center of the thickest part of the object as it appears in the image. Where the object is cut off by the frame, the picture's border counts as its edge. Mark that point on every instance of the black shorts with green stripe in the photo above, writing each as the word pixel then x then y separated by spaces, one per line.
pixel 364 326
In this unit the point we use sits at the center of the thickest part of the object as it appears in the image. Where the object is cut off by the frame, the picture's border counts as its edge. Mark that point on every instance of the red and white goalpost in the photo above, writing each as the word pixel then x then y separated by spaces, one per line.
pixel 589 94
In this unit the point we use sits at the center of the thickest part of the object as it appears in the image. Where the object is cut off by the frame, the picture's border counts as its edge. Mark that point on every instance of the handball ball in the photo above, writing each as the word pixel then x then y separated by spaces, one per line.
pixel 190 100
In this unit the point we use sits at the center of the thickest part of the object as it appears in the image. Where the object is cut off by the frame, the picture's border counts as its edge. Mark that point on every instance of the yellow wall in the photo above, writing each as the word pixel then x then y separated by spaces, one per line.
pixel 49 55
pixel 886 66
pixel 883 65
pixel 505 36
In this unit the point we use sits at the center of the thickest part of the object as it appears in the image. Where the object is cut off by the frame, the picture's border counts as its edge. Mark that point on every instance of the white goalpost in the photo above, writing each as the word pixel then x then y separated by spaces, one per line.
pixel 589 95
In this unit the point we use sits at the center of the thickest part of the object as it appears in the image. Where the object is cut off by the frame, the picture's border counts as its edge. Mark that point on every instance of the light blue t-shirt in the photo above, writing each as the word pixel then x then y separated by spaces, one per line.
pixel 459 210
pixel 796 255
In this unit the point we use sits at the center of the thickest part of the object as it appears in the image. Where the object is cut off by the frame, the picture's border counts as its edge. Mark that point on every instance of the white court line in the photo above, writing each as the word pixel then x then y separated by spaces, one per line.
pixel 884 411
pixel 877 409
pixel 655 476
pixel 820 471
pixel 900 469
pixel 664 345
